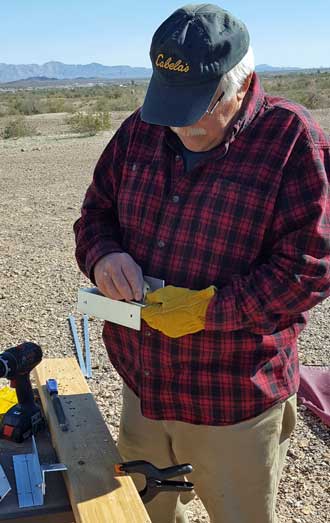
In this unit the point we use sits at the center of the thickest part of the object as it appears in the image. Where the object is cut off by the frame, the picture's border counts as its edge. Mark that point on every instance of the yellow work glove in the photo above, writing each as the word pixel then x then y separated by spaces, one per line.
pixel 176 311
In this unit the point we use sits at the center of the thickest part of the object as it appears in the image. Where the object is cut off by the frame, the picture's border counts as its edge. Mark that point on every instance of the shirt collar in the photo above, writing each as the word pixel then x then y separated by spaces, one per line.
pixel 253 101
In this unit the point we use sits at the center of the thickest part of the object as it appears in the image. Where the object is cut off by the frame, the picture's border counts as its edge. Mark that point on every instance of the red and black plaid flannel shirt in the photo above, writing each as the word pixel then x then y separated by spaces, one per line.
pixel 252 219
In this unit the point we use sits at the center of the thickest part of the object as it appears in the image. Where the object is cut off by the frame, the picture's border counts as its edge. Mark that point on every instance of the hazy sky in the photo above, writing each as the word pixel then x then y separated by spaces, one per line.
pixel 283 33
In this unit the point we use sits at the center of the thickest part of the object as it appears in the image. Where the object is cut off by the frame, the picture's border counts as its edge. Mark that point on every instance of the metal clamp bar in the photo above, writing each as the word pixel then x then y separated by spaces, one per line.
pixel 77 345
pixel 87 348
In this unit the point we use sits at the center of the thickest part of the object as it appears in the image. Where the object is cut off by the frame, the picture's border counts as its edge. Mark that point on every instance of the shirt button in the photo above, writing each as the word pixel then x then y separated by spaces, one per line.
pixel 161 244
pixel 176 198
pixel 178 157
pixel 146 373
pixel 148 333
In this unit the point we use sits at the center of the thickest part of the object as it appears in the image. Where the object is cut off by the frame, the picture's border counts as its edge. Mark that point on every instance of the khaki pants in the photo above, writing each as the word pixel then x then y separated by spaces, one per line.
pixel 237 468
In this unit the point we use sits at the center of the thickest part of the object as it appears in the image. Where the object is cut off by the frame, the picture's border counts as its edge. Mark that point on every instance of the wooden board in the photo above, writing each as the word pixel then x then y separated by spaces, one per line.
pixel 87 449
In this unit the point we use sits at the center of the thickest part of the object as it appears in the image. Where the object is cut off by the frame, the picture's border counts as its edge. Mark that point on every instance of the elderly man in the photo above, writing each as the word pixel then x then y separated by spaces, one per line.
pixel 222 191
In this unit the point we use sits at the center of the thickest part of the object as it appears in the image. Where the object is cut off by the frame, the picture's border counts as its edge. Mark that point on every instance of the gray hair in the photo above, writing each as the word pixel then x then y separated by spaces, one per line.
pixel 232 81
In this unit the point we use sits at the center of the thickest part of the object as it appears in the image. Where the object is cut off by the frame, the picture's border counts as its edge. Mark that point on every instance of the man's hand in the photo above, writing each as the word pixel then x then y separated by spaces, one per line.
pixel 176 311
pixel 119 277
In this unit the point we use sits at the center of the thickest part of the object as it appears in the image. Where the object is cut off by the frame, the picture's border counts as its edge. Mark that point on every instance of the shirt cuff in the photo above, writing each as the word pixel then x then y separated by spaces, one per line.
pixel 226 313
pixel 223 314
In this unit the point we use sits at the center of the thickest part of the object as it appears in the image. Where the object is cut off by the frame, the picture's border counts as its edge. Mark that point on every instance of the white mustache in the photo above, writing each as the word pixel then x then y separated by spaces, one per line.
pixel 189 131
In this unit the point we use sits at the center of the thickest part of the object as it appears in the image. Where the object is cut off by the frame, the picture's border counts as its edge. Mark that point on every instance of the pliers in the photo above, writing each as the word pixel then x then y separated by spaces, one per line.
pixel 156 479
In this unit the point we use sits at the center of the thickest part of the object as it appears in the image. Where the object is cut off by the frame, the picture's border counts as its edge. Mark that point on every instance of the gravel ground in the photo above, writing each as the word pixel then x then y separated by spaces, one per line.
pixel 42 183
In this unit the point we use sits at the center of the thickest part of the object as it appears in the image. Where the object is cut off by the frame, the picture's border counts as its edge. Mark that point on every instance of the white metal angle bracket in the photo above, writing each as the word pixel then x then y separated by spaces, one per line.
pixel 4 484
pixel 30 477
pixel 92 302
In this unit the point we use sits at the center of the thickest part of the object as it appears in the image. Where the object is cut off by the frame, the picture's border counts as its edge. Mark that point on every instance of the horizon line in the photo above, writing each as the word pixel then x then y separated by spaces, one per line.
pixel 150 67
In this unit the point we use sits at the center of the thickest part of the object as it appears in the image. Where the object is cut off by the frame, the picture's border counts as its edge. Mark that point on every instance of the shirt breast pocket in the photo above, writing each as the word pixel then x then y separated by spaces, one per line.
pixel 232 221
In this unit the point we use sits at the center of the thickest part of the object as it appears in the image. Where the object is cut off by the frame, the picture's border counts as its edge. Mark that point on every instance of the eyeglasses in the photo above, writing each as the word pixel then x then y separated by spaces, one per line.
pixel 216 103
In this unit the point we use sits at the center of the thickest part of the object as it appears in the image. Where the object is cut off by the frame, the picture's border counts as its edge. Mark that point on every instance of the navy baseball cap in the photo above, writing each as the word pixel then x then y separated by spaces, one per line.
pixel 190 52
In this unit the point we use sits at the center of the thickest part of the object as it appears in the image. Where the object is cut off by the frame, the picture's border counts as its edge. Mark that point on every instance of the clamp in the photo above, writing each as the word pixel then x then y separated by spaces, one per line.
pixel 156 479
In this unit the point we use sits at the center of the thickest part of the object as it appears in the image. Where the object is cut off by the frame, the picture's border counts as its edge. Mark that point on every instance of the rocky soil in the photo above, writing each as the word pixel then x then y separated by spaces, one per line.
pixel 42 183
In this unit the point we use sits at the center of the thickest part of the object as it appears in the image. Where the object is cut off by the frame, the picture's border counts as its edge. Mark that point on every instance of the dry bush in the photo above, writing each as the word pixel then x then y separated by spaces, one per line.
pixel 316 100
pixel 310 90
pixel 127 100
pixel 18 127
pixel 89 123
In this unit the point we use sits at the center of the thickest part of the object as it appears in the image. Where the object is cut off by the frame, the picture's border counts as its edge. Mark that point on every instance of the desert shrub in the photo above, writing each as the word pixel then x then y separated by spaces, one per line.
pixel 68 107
pixel 310 90
pixel 127 101
pixel 4 110
pixel 58 105
pixel 18 127
pixel 55 105
pixel 98 98
pixel 27 104
pixel 35 103
pixel 316 100
pixel 103 104
pixel 89 123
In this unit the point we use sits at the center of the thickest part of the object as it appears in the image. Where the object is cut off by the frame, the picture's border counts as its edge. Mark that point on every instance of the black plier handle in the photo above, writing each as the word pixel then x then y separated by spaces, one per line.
pixel 156 479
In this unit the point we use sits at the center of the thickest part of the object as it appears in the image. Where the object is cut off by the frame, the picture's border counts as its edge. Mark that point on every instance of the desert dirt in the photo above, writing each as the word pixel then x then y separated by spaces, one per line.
pixel 42 183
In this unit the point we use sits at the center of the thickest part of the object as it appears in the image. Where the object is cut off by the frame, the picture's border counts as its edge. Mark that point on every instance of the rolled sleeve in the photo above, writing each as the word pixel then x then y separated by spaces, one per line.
pixel 97 231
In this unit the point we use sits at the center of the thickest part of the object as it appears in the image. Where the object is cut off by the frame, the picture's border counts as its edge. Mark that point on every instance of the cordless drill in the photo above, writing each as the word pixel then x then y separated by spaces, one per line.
pixel 25 418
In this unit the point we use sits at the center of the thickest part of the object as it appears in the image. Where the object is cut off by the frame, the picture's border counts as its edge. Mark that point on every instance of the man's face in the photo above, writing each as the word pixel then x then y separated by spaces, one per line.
pixel 211 129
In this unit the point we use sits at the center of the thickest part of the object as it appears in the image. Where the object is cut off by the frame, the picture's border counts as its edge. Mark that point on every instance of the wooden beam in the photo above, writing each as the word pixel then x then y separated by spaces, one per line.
pixel 87 449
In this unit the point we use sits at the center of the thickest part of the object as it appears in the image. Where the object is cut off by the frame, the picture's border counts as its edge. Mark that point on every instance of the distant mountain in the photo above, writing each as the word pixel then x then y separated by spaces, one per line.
pixel 265 68
pixel 58 70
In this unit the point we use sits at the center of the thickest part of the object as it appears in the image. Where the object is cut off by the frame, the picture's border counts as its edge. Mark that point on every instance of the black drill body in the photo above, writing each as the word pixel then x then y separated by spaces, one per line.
pixel 24 418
